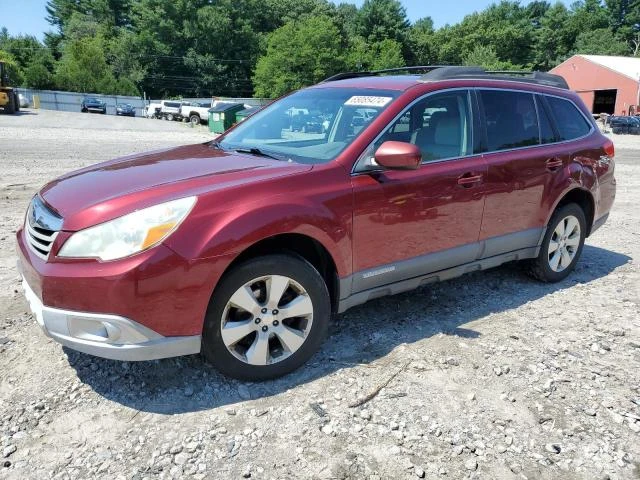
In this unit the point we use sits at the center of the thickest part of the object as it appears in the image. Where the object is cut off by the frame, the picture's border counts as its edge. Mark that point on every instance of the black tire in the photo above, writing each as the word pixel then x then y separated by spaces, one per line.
pixel 17 102
pixel 195 119
pixel 10 107
pixel 540 268
pixel 290 265
pixel 84 110
pixel 170 117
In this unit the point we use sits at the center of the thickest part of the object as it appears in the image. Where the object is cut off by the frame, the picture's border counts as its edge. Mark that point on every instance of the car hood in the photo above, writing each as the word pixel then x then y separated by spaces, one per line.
pixel 108 190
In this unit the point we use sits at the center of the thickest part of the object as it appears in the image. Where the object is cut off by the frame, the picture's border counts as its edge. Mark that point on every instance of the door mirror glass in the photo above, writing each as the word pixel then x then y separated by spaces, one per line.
pixel 398 156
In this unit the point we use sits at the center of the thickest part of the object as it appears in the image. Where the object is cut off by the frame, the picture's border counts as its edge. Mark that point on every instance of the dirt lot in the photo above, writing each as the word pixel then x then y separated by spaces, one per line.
pixel 498 376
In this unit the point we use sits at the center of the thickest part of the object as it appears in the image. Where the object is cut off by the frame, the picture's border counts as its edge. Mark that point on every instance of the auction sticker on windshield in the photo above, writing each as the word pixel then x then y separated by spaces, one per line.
pixel 366 101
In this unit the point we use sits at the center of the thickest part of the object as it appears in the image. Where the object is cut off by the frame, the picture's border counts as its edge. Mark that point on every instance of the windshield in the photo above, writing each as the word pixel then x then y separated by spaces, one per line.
pixel 310 126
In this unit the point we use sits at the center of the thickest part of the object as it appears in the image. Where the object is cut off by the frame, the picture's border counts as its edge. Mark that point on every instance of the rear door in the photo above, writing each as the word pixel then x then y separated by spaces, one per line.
pixel 521 168
pixel 409 223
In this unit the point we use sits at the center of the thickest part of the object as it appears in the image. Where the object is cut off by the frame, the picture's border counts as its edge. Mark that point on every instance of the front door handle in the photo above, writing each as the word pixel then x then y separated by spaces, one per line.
pixel 468 180
pixel 554 164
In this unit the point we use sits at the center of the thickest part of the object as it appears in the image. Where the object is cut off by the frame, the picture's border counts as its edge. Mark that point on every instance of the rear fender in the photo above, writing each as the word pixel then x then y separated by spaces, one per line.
pixel 579 177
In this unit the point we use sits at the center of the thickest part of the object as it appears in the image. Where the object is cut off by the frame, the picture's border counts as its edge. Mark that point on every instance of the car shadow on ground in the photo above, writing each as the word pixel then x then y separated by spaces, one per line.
pixel 361 335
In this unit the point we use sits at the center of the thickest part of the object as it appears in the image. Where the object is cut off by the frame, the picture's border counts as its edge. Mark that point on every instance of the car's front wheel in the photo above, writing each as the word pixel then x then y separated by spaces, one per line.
pixel 562 244
pixel 267 317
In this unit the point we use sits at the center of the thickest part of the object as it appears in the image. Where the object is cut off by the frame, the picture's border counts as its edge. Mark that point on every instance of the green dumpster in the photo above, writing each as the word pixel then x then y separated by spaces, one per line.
pixel 223 116
pixel 247 112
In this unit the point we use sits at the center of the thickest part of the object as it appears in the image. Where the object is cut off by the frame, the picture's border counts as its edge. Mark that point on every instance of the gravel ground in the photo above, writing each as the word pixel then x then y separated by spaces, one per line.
pixel 492 375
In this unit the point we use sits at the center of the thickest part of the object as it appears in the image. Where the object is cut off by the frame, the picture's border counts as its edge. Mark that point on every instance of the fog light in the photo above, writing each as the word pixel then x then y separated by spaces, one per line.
pixel 93 330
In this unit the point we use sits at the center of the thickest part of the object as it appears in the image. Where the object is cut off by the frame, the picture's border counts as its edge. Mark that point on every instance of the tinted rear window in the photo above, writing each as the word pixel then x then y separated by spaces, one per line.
pixel 511 119
pixel 570 122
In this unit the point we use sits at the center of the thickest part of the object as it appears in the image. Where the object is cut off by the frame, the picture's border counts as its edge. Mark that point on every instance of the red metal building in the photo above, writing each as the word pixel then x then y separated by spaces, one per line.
pixel 606 84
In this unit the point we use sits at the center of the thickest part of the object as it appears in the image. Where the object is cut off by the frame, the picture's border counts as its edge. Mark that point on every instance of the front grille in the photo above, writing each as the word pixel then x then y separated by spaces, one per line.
pixel 40 240
pixel 41 228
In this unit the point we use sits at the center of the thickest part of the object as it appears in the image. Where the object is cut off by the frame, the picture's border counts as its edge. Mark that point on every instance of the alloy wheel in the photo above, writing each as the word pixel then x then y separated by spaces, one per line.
pixel 564 243
pixel 267 320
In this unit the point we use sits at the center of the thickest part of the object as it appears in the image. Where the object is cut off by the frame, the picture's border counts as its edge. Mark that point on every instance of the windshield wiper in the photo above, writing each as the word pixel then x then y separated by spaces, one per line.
pixel 215 144
pixel 258 152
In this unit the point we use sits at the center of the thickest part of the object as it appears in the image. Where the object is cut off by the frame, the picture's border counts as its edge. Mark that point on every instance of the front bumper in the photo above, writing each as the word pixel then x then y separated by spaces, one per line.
pixel 147 306
pixel 107 336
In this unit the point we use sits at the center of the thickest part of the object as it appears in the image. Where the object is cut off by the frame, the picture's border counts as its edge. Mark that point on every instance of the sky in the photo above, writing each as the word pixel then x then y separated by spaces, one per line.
pixel 28 16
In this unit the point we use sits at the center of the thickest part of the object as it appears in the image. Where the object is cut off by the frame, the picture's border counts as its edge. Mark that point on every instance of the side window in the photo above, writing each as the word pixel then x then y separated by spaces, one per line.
pixel 439 124
pixel 570 122
pixel 547 134
pixel 511 119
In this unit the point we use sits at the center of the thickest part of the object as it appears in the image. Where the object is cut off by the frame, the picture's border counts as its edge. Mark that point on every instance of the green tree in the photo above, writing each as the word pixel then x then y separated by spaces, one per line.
pixel 624 18
pixel 298 54
pixel 422 43
pixel 109 13
pixel 375 56
pixel 486 57
pixel 380 20
pixel 83 67
pixel 39 72
pixel 506 27
pixel 554 39
pixel 600 42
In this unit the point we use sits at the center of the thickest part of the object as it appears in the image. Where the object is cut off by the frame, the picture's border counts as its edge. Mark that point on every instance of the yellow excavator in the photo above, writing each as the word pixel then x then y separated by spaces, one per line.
pixel 9 100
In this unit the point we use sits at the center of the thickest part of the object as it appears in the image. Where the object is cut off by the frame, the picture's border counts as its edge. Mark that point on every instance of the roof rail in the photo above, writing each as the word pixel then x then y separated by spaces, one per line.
pixel 539 78
pixel 448 72
pixel 373 73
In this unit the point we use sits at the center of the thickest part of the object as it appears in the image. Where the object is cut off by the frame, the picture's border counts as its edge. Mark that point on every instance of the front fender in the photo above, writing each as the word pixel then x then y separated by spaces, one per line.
pixel 235 230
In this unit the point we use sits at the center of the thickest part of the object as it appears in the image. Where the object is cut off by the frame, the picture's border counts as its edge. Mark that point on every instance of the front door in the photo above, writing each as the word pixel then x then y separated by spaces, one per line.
pixel 409 223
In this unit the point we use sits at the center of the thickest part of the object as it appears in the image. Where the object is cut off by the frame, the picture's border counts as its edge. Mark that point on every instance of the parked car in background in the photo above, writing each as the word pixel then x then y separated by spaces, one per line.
pixel 170 109
pixel 153 110
pixel 93 104
pixel 242 248
pixel 125 109
pixel 195 112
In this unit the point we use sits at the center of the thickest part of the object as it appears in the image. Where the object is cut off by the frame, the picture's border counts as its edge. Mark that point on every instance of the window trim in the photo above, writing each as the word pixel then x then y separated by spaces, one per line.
pixel 472 105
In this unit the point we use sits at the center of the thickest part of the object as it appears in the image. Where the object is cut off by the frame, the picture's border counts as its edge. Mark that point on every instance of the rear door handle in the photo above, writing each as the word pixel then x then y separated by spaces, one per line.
pixel 468 180
pixel 554 164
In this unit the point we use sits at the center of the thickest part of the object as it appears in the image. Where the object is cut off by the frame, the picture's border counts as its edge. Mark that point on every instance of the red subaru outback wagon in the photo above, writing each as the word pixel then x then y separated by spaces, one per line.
pixel 362 186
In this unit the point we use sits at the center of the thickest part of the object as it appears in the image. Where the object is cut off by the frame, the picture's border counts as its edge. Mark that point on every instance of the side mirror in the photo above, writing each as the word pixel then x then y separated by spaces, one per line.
pixel 398 156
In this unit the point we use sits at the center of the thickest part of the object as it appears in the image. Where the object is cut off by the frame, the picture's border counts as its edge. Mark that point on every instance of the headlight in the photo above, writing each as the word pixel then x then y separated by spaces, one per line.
pixel 129 234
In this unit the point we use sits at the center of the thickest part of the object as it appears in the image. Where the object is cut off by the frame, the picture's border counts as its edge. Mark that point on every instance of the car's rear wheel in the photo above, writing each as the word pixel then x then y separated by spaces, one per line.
pixel 562 244
pixel 267 317
pixel 195 119
pixel 170 117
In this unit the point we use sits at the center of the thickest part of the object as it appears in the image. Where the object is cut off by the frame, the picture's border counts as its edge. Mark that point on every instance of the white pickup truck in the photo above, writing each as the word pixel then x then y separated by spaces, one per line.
pixel 195 113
